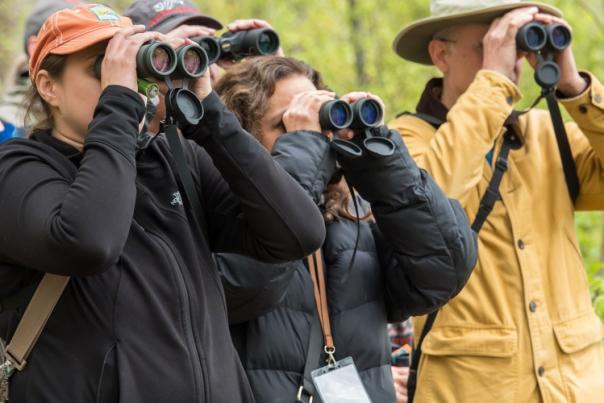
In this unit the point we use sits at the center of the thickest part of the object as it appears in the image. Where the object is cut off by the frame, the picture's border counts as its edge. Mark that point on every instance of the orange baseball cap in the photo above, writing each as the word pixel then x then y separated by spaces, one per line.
pixel 71 30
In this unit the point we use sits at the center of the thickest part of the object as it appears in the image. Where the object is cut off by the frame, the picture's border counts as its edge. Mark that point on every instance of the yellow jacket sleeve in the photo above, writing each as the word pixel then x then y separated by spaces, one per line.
pixel 586 138
pixel 455 155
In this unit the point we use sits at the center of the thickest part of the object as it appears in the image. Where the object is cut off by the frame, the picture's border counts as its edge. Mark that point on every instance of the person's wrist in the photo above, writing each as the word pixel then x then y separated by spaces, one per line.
pixel 574 87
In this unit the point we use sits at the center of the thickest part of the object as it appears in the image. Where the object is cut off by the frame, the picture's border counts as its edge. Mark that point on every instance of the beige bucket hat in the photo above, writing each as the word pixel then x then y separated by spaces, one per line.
pixel 412 42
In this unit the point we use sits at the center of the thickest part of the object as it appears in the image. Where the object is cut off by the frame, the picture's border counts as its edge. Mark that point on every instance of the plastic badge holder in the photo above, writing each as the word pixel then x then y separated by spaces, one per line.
pixel 340 383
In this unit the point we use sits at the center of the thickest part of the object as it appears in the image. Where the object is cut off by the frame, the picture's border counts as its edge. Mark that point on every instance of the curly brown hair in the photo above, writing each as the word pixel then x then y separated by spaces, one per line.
pixel 246 89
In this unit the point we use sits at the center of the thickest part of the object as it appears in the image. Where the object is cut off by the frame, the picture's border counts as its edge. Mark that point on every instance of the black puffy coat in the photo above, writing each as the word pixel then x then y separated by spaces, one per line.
pixel 416 256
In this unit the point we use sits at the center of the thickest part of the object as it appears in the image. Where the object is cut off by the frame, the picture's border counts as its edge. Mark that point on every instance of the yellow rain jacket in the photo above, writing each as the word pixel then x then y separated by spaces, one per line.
pixel 523 329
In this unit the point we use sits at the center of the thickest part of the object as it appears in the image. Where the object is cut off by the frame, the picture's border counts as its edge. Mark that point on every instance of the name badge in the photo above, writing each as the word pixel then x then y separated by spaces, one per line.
pixel 340 383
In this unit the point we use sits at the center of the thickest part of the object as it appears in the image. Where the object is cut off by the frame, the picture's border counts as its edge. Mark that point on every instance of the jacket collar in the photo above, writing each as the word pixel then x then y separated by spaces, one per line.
pixel 45 137
pixel 430 104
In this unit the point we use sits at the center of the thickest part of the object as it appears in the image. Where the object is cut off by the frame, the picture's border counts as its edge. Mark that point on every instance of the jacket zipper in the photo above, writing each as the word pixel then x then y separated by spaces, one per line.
pixel 188 317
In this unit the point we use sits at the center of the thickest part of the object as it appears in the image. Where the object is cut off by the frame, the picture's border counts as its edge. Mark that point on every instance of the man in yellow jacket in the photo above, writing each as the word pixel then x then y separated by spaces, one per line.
pixel 523 329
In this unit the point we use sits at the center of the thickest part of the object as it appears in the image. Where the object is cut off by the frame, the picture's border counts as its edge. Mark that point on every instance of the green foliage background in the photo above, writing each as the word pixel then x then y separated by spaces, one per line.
pixel 349 41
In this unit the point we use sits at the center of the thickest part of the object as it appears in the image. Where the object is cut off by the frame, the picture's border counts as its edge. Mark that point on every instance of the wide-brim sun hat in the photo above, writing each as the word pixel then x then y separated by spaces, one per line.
pixel 412 41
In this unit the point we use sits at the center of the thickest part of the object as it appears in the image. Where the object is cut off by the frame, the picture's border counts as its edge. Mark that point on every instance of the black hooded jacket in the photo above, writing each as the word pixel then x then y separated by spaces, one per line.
pixel 415 257
pixel 143 318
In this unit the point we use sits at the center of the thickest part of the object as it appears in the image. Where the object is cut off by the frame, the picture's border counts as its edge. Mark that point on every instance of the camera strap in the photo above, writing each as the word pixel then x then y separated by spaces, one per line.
pixel 320 328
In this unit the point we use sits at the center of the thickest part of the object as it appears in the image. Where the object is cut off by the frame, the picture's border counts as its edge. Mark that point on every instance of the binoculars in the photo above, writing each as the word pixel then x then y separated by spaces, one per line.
pixel 364 116
pixel 361 114
pixel 237 45
pixel 160 61
pixel 535 37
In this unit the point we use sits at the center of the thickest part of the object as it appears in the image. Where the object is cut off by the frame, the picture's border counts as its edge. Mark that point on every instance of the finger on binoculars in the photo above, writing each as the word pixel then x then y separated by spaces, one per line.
pixel 344 134
pixel 177 42
pixel 244 25
pixel 188 31
pixel 355 96
pixel 551 19
pixel 514 20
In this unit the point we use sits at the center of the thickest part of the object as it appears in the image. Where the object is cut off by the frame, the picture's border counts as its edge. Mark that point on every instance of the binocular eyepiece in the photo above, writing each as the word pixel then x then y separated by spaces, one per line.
pixel 362 114
pixel 535 36
pixel 237 45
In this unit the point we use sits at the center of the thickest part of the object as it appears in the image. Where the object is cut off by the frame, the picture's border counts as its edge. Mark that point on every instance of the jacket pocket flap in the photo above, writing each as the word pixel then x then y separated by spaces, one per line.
pixel 578 333
pixel 493 341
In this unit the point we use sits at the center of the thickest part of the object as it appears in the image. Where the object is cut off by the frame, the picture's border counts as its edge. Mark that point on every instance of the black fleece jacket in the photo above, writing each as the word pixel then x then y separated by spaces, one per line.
pixel 143 318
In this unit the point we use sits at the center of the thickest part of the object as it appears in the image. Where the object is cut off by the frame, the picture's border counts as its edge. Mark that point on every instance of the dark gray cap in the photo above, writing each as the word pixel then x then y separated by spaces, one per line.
pixel 165 15
pixel 43 10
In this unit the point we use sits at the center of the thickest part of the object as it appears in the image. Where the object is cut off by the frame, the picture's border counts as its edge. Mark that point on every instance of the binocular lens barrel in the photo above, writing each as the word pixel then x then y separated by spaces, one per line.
pixel 335 115
pixel 366 113
pixel 192 61
pixel 210 45
pixel 559 36
pixel 255 42
pixel 155 59
pixel 536 36
pixel 267 42
pixel 532 37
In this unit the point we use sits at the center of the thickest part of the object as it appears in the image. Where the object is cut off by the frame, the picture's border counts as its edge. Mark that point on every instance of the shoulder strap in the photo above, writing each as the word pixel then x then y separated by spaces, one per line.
pixel 320 328
pixel 184 179
pixel 566 156
pixel 33 321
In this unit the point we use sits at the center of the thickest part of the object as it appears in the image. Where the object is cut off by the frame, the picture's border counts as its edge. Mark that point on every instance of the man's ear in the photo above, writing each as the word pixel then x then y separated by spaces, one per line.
pixel 438 51
pixel 46 88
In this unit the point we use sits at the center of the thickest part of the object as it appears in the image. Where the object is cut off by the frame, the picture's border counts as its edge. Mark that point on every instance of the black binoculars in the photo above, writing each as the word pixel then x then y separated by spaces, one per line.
pixel 535 37
pixel 160 61
pixel 237 45
pixel 361 114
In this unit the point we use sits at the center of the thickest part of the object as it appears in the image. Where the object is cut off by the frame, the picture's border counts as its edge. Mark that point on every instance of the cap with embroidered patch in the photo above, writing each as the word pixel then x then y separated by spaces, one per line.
pixel 71 30
pixel 165 15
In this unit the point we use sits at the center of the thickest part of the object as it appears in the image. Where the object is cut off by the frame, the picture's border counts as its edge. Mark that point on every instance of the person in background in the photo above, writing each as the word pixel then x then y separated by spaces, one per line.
pixel 17 84
pixel 401 337
pixel 182 19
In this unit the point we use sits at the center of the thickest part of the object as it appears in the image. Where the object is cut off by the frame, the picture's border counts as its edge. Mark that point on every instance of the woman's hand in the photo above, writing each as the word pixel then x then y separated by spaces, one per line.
pixel 119 63
pixel 303 111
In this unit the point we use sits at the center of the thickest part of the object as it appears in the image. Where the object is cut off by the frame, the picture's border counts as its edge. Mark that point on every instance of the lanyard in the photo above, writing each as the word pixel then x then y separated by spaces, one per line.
pixel 317 274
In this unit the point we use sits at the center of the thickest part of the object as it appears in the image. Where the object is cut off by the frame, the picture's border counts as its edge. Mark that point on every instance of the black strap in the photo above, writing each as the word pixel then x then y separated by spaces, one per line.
pixel 417 354
pixel 306 390
pixel 184 179
pixel 568 162
pixel 491 195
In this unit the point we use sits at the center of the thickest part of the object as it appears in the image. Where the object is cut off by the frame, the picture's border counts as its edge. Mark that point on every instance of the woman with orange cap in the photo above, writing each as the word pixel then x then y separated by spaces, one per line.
pixel 143 317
